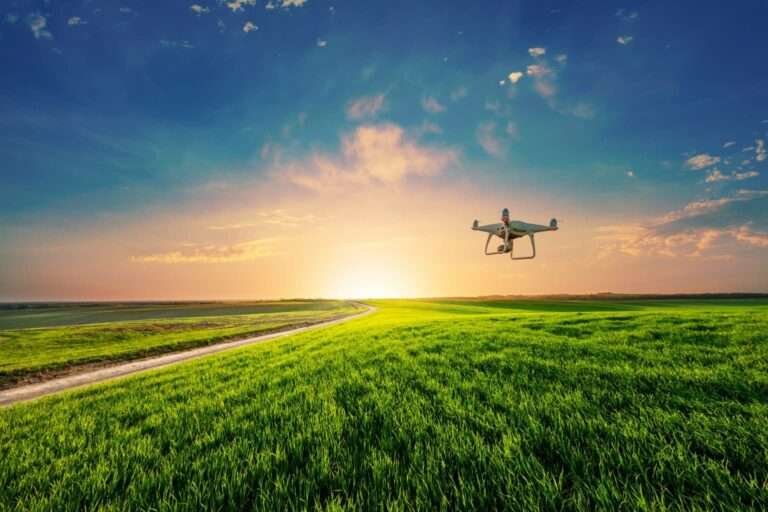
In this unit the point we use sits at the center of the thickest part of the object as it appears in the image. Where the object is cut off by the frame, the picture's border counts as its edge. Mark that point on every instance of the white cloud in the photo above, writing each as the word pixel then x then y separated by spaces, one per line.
pixel 701 161
pixel 237 5
pixel 543 79
pixel 431 105
pixel 538 70
pixel 249 27
pixel 716 176
pixel 624 39
pixel 561 58
pixel 76 20
pixel 199 9
pixel 488 140
pixel 760 150
pixel 322 43
pixel 515 76
pixel 365 107
pixel 739 176
pixel 729 144
pixel 630 173
pixel 372 154
pixel 292 3
pixel 537 52
pixel 37 24
pixel 270 6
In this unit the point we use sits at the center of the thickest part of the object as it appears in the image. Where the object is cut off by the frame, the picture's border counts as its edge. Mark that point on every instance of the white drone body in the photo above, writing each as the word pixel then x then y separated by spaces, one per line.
pixel 509 231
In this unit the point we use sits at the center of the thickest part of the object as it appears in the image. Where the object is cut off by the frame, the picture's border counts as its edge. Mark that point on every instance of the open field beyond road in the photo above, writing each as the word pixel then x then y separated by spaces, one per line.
pixel 55 340
pixel 424 405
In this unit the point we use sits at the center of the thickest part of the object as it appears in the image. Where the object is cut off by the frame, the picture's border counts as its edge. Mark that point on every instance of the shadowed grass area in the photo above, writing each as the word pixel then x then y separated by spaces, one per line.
pixel 33 353
pixel 423 405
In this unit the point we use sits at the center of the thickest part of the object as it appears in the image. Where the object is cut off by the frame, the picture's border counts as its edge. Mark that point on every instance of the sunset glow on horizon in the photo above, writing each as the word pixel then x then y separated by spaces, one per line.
pixel 344 150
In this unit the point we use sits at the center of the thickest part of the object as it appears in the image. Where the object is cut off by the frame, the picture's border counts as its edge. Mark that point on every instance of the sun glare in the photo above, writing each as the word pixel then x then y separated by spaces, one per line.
pixel 368 283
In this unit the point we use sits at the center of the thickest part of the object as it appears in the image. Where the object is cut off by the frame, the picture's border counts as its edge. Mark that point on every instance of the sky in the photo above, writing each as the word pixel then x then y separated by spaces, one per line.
pixel 253 149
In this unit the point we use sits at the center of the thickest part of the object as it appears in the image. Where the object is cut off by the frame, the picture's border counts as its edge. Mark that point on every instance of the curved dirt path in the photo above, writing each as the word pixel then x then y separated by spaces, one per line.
pixel 32 391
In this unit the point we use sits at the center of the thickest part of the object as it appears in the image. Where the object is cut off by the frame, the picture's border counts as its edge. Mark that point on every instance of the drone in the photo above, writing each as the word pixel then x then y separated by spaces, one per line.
pixel 508 231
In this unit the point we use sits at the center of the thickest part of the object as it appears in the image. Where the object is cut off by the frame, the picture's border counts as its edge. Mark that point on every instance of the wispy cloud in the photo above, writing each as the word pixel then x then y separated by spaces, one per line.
pixel 512 130
pixel 488 140
pixel 176 44
pixel 278 217
pixel 372 154
pixel 365 107
pixel 537 52
pixel 459 93
pixel 760 150
pixel 292 3
pixel 543 79
pixel 493 106
pixel 582 110
pixel 74 21
pixel 695 230
pixel 237 5
pixel 249 27
pixel 627 15
pixel 625 40
pixel 716 175
pixel 729 144
pixel 243 251
pixel 37 24
pixel 428 127
pixel 701 161
pixel 431 105
pixel 199 9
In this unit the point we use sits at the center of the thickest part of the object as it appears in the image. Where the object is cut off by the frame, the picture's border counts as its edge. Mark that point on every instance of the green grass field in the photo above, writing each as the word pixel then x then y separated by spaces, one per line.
pixel 40 341
pixel 422 406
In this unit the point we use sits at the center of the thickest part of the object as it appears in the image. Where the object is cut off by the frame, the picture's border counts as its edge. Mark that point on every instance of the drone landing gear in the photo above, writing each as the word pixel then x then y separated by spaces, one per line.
pixel 509 248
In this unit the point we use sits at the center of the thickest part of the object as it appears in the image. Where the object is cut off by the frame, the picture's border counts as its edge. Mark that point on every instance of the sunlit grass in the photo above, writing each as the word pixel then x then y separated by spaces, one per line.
pixel 424 406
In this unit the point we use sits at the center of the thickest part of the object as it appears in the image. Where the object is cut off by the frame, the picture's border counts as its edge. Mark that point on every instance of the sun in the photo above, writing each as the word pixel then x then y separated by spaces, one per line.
pixel 368 283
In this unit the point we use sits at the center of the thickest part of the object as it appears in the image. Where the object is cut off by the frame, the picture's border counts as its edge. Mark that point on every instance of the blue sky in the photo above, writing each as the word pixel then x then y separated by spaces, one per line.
pixel 646 119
